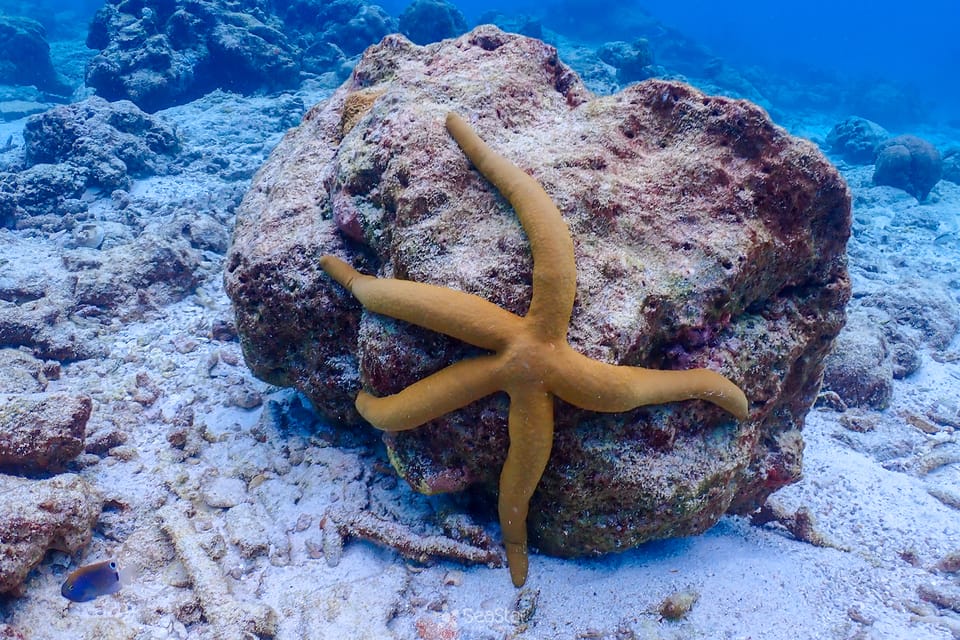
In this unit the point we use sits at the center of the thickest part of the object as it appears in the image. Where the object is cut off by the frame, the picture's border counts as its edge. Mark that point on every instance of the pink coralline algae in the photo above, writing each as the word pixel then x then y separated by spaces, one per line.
pixel 705 236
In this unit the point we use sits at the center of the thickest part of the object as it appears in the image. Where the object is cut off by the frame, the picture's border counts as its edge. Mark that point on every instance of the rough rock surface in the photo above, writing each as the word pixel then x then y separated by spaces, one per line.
pixel 25 55
pixel 22 373
pixel 916 312
pixel 40 324
pixel 856 140
pixel 909 163
pixel 39 515
pixel 87 144
pixel 46 310
pixel 171 51
pixel 113 140
pixel 156 268
pixel 704 236
pixel 159 53
pixel 859 369
pixel 42 432
pixel 883 338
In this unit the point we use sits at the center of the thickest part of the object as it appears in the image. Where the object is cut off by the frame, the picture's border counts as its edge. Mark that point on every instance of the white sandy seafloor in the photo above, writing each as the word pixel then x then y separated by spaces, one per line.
pixel 261 478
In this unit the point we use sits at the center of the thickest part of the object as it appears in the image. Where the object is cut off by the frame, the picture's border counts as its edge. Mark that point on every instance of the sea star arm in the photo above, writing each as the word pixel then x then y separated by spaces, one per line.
pixel 554 269
pixel 598 386
pixel 442 392
pixel 455 313
pixel 530 425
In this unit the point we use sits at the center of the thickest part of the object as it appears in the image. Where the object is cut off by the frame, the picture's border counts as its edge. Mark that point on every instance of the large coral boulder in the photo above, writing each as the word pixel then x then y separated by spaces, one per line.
pixel 705 236
pixel 114 141
pixel 162 52
pixel 25 55
pixel 425 21
pixel 856 139
pixel 88 144
pixel 158 53
pixel 909 163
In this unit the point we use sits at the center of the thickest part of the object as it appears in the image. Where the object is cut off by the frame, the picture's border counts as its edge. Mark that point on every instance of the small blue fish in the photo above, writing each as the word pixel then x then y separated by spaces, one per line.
pixel 91 581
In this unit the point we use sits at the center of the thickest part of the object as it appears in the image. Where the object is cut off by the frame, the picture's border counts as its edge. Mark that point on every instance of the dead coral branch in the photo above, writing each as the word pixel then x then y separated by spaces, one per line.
pixel 230 616
pixel 424 549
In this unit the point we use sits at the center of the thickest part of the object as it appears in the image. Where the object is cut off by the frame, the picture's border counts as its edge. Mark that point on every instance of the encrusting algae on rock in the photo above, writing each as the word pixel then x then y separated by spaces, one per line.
pixel 532 360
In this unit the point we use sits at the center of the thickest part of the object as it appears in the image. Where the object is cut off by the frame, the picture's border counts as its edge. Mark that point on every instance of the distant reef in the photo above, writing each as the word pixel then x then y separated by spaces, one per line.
pixel 25 55
pixel 160 53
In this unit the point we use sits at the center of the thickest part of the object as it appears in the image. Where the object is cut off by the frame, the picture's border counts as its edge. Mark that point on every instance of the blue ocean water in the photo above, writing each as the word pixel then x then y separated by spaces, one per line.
pixel 912 47
pixel 911 44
